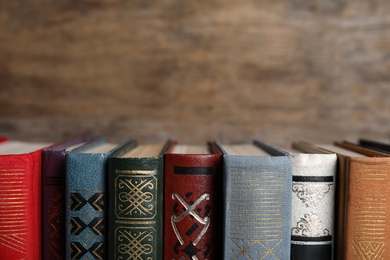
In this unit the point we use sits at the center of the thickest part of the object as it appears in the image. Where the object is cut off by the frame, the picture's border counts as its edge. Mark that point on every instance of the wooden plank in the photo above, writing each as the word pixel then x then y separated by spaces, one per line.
pixel 276 70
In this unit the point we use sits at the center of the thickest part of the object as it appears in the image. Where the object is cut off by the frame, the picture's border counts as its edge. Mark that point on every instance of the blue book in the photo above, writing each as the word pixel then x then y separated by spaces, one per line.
pixel 257 201
pixel 85 198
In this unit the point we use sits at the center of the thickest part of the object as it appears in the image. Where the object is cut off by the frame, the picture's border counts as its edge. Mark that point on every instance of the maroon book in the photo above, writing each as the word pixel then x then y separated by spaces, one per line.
pixel 53 198
pixel 192 202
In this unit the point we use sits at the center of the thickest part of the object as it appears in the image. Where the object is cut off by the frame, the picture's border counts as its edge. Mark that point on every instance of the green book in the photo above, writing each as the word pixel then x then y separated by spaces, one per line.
pixel 135 205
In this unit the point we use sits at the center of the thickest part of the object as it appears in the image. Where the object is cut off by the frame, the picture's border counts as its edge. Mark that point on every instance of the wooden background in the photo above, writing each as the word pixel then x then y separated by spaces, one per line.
pixel 195 70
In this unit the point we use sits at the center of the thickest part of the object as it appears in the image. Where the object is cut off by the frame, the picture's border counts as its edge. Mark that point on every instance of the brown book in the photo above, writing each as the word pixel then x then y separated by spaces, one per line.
pixel 363 202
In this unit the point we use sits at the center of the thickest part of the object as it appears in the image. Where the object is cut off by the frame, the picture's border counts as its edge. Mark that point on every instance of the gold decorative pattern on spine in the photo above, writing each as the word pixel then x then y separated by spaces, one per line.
pixel 256 230
pixel 369 228
pixel 13 195
pixel 135 197
pixel 135 243
pixel 137 172
pixel 245 251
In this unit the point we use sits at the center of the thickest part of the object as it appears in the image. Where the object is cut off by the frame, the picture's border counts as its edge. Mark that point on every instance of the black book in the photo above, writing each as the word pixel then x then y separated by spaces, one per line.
pixel 375 145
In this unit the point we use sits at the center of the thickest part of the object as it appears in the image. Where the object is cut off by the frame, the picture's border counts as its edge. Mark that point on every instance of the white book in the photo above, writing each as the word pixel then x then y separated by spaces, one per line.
pixel 313 203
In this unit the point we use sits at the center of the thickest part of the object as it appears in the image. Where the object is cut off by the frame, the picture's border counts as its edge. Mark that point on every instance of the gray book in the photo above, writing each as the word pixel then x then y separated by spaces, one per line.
pixel 257 201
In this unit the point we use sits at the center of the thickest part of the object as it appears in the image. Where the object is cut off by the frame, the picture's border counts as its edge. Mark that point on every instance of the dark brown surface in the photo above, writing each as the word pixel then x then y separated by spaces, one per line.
pixel 194 71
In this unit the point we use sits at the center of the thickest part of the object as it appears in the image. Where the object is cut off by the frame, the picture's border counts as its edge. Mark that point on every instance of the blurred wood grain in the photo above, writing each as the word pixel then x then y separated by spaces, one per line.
pixel 195 70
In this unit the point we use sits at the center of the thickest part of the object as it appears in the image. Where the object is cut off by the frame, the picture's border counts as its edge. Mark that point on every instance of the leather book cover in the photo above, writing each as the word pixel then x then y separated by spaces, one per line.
pixel 257 203
pixel 135 206
pixel 313 205
pixel 20 207
pixel 53 198
pixel 192 204
pixel 85 200
pixel 365 215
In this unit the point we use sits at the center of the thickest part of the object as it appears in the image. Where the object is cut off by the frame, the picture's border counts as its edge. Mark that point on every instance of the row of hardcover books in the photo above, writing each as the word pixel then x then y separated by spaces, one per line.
pixel 91 199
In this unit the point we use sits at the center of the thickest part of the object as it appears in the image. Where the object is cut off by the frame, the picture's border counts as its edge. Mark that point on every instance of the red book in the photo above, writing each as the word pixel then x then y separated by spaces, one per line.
pixel 20 200
pixel 192 202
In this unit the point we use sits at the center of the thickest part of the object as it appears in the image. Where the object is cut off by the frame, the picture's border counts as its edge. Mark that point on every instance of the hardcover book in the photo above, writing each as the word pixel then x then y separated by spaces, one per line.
pixel 86 175
pixel 257 201
pixel 376 145
pixel 20 196
pixel 192 202
pixel 363 196
pixel 135 208
pixel 53 198
pixel 313 203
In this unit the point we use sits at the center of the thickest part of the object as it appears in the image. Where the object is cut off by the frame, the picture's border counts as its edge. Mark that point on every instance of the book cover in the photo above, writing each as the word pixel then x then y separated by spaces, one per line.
pixel 53 198
pixel 366 212
pixel 257 202
pixel 192 202
pixel 135 206
pixel 313 204
pixel 363 196
pixel 20 196
pixel 86 175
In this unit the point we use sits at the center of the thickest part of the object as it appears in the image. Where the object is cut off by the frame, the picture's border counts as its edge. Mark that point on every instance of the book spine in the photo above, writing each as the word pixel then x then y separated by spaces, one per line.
pixel 257 207
pixel 85 210
pixel 313 196
pixel 192 206
pixel 135 208
pixel 20 207
pixel 53 204
pixel 367 220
